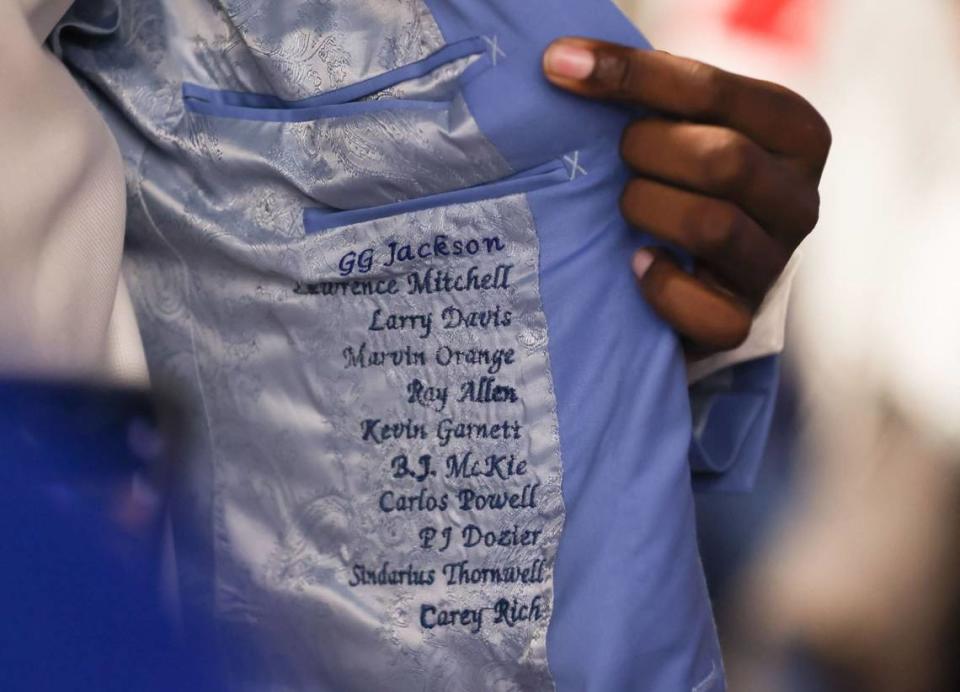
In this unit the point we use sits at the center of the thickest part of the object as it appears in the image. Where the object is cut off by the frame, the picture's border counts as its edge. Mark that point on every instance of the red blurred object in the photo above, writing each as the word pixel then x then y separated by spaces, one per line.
pixel 783 21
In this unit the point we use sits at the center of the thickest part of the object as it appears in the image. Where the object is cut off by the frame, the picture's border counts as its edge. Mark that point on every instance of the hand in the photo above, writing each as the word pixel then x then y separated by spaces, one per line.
pixel 727 169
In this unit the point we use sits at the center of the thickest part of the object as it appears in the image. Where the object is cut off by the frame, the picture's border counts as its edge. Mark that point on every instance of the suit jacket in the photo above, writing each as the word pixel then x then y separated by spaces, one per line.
pixel 440 441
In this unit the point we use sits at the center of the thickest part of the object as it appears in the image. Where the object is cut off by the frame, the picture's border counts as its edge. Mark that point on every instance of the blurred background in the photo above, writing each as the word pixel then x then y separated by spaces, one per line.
pixel 841 571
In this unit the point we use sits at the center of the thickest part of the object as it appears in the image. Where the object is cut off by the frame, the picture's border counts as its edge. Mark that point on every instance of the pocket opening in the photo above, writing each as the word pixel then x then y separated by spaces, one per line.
pixel 342 101
pixel 554 172
pixel 294 115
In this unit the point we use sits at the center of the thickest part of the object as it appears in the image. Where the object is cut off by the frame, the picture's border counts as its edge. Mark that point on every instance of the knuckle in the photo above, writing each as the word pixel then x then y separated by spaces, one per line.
pixel 712 93
pixel 716 227
pixel 822 136
pixel 729 162
pixel 810 212
pixel 802 213
pixel 615 72
pixel 754 290
pixel 814 130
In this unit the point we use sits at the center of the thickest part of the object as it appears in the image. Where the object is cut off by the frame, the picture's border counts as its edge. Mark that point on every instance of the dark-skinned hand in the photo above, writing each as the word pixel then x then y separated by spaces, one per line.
pixel 727 168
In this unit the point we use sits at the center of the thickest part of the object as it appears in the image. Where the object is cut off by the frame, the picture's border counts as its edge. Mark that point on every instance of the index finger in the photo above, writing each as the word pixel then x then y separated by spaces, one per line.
pixel 771 115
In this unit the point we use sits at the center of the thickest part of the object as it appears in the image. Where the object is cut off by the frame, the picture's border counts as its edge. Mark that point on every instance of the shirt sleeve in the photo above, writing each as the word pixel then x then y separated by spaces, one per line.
pixel 767 333
pixel 732 396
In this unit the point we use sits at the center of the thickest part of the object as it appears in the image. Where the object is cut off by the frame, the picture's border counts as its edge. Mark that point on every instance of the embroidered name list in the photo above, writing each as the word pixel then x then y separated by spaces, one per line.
pixel 432 341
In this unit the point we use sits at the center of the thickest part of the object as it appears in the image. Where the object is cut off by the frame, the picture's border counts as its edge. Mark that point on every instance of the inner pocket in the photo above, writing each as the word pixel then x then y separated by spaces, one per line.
pixel 550 173
pixel 360 97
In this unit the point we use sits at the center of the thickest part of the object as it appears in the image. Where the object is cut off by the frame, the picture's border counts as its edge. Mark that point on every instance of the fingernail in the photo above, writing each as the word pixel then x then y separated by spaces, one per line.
pixel 569 61
pixel 642 260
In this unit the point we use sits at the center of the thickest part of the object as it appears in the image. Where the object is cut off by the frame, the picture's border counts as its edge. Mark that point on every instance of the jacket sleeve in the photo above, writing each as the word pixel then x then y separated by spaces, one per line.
pixel 732 397
pixel 732 410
